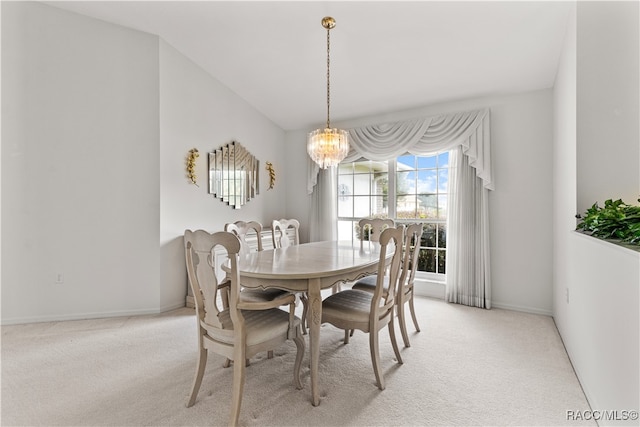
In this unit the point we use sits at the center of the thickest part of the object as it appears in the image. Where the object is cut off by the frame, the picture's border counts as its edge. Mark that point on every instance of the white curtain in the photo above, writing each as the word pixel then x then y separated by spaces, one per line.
pixel 468 260
pixel 323 216
pixel 467 135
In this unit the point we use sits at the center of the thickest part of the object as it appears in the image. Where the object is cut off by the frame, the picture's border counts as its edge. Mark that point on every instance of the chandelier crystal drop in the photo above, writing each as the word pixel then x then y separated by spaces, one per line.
pixel 328 147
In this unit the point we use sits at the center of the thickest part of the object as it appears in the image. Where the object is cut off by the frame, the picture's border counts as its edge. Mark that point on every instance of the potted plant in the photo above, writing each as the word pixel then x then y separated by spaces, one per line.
pixel 616 220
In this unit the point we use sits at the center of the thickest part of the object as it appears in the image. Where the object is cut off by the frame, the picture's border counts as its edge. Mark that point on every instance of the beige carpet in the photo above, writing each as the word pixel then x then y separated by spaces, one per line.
pixel 467 367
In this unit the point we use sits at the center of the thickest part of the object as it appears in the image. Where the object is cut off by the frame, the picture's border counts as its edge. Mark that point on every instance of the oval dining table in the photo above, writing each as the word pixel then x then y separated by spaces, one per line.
pixel 309 267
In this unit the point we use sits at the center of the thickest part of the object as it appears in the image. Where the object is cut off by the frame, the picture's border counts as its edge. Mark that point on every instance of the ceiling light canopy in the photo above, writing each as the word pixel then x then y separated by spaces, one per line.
pixel 328 147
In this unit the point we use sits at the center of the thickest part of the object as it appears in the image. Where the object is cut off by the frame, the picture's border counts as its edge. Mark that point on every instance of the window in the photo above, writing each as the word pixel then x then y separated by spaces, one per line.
pixel 408 189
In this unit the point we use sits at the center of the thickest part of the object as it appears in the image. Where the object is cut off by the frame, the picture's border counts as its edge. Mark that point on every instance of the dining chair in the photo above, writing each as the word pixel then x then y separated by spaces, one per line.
pixel 371 228
pixel 279 232
pixel 405 291
pixel 371 311
pixel 242 229
pixel 238 331
pixel 281 239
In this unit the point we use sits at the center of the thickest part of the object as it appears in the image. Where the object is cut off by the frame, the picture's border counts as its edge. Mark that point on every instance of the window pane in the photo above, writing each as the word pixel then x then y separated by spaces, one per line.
pixel 428 236
pixel 443 159
pixel 427 260
pixel 442 236
pixel 361 184
pixel 443 180
pixel 380 206
pixel 427 181
pixel 407 161
pixel 381 184
pixel 361 207
pixel 406 207
pixel 345 168
pixel 442 205
pixel 427 162
pixel 442 261
pixel 428 206
pixel 362 167
pixel 345 206
pixel 346 180
pixel 405 183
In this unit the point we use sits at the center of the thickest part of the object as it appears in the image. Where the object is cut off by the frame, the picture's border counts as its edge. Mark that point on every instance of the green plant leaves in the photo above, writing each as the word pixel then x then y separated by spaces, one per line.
pixel 616 220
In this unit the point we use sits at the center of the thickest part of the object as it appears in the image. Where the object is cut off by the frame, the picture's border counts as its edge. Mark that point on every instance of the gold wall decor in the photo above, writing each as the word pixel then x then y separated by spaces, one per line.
pixel 272 175
pixel 191 165
pixel 233 174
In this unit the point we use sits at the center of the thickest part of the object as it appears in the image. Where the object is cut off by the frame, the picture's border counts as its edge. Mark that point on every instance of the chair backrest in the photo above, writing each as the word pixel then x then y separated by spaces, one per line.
pixel 371 228
pixel 279 232
pixel 412 236
pixel 242 229
pixel 200 248
pixel 391 238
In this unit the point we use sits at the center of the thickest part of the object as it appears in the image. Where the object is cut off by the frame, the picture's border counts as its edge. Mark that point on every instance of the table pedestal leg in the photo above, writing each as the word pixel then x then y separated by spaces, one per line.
pixel 315 317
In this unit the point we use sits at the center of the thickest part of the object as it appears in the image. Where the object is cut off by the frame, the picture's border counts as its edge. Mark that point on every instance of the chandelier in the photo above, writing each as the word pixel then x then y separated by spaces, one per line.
pixel 328 147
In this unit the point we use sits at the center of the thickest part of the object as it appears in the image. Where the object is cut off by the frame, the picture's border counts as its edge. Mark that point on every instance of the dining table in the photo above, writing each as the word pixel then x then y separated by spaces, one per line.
pixel 310 268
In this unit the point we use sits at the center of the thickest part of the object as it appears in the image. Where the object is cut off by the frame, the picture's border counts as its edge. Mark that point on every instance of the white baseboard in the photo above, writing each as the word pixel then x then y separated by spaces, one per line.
pixel 523 309
pixel 79 316
pixel 429 289
pixel 437 290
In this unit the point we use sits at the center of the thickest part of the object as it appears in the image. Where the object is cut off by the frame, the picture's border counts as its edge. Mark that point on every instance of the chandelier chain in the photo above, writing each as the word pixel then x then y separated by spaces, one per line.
pixel 328 75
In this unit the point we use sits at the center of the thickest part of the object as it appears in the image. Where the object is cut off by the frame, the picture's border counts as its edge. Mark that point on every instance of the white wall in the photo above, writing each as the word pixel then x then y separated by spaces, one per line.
pixel 520 206
pixel 198 111
pixel 598 320
pixel 98 120
pixel 80 166
pixel 607 82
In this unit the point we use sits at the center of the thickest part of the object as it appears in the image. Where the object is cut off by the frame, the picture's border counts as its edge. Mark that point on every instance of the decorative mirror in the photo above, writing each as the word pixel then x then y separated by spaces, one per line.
pixel 233 175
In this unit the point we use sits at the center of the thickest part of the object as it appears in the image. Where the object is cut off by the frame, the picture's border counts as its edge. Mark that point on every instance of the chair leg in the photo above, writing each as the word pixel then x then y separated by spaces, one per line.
pixel 299 355
pixel 305 312
pixel 394 342
pixel 403 324
pixel 269 355
pixel 346 336
pixel 247 362
pixel 197 381
pixel 375 358
pixel 413 313
pixel 238 385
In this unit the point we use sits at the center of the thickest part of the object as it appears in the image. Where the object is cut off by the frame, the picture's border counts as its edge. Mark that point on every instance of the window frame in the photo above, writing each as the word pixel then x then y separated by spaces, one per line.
pixel 391 196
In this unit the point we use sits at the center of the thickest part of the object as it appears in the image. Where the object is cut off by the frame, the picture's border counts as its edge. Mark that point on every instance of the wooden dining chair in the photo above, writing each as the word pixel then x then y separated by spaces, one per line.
pixel 405 291
pixel 371 228
pixel 239 330
pixel 371 311
pixel 280 236
pixel 242 229
pixel 280 232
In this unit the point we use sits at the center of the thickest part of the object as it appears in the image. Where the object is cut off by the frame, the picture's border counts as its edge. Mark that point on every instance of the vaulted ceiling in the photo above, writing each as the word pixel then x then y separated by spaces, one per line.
pixel 385 55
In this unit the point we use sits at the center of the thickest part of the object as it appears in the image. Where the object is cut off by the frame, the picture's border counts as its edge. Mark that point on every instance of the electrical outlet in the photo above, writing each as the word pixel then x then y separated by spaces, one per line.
pixel 59 278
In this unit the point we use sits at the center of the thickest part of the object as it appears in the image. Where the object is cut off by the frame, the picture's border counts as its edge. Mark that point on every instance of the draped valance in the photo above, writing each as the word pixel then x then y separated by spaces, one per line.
pixel 470 130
